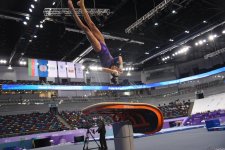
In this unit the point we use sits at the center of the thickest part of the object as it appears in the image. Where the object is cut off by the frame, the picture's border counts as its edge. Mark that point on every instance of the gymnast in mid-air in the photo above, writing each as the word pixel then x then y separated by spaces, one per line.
pixel 95 37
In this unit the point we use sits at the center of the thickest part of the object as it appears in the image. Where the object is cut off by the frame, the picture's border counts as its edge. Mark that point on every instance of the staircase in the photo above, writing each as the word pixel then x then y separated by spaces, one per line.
pixel 64 122
pixel 190 108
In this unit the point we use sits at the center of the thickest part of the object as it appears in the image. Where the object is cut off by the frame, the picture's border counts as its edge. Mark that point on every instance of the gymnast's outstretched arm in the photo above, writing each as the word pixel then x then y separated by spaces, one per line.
pixel 90 23
pixel 93 40
pixel 112 71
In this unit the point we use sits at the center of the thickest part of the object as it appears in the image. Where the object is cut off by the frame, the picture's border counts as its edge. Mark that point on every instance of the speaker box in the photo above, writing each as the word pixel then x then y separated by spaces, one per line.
pixel 199 95
pixel 172 124
pixel 42 142
pixel 78 139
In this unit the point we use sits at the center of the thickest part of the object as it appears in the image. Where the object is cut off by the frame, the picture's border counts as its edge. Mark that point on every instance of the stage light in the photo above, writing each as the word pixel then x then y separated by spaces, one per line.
pixel 41 26
pixel 28 18
pixel 156 24
pixel 87 72
pixel 37 26
pixel 212 37
pixel 204 41
pixel 30 10
pixel 120 49
pixel 30 41
pixel 22 62
pixel 53 3
pixel 83 67
pixel 196 44
pixel 204 21
pixel 35 36
pixel 187 31
pixel 223 31
pixel 146 53
pixel 35 0
pixel 10 67
pixel 128 73
pixel 25 23
pixel 174 12
pixel 171 40
pixel 3 61
pixel 200 42
pixel 157 47
pixel 32 6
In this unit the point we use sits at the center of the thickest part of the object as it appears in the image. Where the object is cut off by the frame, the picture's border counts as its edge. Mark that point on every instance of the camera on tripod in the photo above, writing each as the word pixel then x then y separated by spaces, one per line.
pixel 90 133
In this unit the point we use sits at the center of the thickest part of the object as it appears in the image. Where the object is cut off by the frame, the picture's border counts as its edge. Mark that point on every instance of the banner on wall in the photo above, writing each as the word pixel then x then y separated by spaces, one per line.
pixel 43 68
pixel 79 71
pixel 70 70
pixel 62 73
pixel 52 69
pixel 33 67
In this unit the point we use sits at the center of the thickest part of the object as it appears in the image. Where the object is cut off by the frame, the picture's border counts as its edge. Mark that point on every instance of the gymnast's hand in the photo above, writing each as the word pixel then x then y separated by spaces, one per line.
pixel 115 72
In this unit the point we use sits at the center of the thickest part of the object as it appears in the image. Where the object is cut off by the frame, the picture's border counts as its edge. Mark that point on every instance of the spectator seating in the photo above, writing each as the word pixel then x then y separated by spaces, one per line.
pixel 12 125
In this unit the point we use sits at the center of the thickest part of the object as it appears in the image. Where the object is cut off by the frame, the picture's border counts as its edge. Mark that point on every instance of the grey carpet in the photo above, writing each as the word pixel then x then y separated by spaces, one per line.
pixel 196 139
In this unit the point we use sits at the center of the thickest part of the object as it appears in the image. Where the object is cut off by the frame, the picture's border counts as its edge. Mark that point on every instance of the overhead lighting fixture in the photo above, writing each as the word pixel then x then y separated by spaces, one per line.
pixel 187 31
pixel 146 53
pixel 30 10
pixel 174 12
pixel 25 23
pixel 53 3
pixel 37 26
pixel 212 37
pixel 35 36
pixel 171 40
pixel 223 31
pixel 165 58
pixel 22 62
pixel 35 0
pixel 157 9
pixel 32 6
pixel 41 26
pixel 128 73
pixel 200 42
pixel 83 67
pixel 196 44
pixel 3 61
pixel 10 67
pixel 120 49
pixel 156 23
pixel 28 18
pixel 157 47
pixel 204 21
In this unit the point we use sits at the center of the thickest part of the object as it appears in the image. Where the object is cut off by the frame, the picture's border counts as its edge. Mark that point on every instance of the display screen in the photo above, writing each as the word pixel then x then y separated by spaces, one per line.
pixel 103 88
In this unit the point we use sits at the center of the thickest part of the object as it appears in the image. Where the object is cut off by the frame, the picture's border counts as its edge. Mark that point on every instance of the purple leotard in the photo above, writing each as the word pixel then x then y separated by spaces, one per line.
pixel 105 56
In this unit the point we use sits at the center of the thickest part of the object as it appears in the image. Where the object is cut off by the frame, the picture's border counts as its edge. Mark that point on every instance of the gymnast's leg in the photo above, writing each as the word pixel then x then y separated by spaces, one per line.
pixel 93 40
pixel 90 23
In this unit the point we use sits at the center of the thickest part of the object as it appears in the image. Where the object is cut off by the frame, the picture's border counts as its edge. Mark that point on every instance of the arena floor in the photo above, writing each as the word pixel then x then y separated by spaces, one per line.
pixel 195 139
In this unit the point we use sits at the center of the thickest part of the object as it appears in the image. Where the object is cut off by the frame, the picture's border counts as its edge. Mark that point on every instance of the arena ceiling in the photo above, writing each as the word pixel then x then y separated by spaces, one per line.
pixel 180 20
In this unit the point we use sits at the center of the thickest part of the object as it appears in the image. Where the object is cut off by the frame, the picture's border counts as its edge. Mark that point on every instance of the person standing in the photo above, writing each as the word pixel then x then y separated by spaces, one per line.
pixel 102 132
